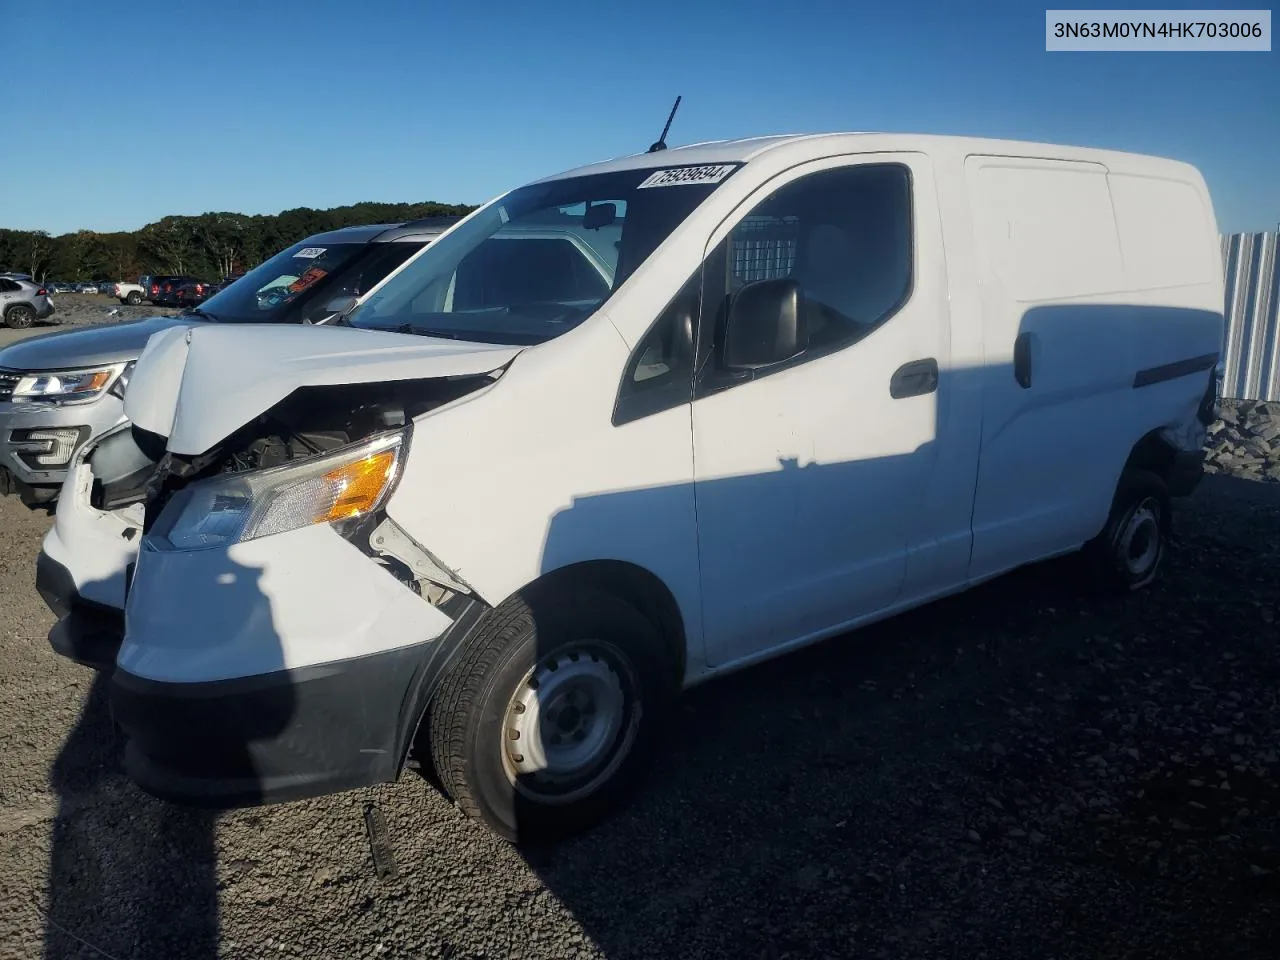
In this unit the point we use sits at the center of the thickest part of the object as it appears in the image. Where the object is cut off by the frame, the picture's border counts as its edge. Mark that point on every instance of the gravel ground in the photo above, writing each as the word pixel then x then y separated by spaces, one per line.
pixel 78 309
pixel 1016 772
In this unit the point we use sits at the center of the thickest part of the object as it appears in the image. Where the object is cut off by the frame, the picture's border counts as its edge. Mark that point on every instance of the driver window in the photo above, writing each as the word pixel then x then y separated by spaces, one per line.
pixel 844 235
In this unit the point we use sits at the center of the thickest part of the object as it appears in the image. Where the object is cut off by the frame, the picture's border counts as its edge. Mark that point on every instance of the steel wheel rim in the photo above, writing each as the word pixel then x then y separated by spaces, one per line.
pixel 570 722
pixel 1140 539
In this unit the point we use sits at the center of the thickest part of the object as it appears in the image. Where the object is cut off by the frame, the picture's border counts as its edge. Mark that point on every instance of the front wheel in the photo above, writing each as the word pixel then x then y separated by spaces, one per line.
pixel 1127 554
pixel 19 316
pixel 549 720
pixel 134 298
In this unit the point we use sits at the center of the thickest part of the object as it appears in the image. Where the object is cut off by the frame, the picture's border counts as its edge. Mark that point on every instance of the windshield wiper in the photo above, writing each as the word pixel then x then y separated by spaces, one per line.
pixel 420 331
pixel 199 312
pixel 438 334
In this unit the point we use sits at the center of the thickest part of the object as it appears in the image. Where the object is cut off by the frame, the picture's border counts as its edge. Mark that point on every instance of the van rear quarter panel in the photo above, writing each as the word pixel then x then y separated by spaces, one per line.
pixel 1106 269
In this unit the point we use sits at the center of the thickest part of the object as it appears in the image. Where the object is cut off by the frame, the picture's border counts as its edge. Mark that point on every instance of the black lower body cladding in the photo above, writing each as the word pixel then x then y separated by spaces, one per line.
pixel 281 736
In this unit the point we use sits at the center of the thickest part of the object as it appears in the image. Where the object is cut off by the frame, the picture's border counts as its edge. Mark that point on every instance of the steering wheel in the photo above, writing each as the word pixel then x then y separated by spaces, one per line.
pixel 272 296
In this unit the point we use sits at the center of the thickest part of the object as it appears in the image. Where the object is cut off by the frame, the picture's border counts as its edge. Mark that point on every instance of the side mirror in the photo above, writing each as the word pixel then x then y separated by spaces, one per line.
pixel 766 324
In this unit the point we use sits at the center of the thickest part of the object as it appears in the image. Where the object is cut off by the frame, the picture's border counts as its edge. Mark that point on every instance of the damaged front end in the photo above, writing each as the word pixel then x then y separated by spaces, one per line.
pixel 284 636
pixel 325 454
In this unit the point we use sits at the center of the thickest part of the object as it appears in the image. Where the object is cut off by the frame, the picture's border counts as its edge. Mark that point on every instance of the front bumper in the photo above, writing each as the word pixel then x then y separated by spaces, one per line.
pixel 268 738
pixel 18 419
pixel 88 633
pixel 95 548
pixel 281 668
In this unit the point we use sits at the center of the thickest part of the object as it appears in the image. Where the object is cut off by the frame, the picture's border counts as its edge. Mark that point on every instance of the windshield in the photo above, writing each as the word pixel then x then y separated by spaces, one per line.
pixel 540 260
pixel 304 279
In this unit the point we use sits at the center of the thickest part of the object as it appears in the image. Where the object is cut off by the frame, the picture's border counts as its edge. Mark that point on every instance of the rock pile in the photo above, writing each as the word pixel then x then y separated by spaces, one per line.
pixel 1245 442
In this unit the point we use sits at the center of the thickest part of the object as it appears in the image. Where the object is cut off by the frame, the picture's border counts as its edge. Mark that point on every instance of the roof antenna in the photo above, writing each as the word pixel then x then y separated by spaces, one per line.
pixel 662 140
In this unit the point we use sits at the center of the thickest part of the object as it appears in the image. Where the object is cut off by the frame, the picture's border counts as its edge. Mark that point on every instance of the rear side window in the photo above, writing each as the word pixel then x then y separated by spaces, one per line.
pixel 1166 234
pixel 1045 228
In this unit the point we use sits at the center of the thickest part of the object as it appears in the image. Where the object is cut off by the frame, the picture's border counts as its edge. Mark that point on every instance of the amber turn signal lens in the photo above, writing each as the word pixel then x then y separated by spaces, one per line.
pixel 357 486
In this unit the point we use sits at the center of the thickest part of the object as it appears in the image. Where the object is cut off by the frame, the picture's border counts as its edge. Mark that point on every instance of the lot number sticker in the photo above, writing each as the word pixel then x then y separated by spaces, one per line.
pixel 682 175
pixel 310 252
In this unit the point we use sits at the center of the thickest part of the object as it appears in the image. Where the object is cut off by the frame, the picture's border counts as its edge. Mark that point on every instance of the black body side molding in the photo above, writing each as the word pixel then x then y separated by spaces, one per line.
pixel 1172 371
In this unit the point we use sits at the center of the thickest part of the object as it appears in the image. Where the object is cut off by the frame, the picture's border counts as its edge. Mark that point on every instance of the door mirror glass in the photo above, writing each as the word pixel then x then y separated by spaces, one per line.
pixel 766 324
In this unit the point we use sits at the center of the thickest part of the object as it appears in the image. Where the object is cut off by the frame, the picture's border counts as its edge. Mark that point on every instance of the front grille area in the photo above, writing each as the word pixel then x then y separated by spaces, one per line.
pixel 8 380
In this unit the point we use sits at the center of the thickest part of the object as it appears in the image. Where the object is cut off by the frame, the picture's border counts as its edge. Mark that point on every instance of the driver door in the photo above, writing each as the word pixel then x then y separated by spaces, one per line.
pixel 809 473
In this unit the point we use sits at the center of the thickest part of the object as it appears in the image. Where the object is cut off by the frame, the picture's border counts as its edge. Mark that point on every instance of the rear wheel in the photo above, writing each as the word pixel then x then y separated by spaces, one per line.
pixel 19 316
pixel 549 720
pixel 1127 554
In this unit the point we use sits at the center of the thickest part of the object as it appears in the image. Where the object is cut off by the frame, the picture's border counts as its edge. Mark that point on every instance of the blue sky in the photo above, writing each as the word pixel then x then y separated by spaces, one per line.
pixel 320 103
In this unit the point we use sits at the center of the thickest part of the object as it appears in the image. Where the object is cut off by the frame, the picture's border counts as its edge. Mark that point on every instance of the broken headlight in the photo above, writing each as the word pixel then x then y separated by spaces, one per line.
pixel 349 482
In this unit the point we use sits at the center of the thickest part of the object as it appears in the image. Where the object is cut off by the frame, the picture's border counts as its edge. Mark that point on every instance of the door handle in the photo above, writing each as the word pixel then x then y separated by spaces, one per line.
pixel 914 379
pixel 1022 360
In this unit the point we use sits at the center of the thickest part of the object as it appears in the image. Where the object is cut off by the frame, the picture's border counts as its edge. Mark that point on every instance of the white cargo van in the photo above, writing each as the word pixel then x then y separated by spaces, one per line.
pixel 732 399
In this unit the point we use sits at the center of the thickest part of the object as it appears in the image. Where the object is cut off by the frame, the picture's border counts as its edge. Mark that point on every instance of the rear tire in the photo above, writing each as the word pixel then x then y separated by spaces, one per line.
pixel 19 316
pixel 1127 555
pixel 549 720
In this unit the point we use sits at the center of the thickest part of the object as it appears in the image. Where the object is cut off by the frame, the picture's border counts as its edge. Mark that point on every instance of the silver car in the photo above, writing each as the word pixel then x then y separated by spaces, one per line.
pixel 56 391
pixel 23 302
pixel 60 389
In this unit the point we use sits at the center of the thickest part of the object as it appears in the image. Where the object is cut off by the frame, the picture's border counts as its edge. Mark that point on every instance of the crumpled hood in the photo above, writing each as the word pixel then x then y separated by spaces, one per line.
pixel 197 386
pixel 87 346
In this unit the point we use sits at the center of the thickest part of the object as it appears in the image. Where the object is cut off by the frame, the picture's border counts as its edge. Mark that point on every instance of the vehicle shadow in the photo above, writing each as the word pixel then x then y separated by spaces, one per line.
pixel 132 876
pixel 129 876
pixel 884 793
pixel 771 826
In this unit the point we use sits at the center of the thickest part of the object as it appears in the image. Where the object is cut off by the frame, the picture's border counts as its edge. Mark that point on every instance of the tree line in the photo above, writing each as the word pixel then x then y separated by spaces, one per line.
pixel 210 246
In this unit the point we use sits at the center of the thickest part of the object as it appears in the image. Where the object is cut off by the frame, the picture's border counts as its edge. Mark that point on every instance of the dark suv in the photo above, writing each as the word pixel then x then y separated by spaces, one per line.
pixel 166 291
pixel 159 290
pixel 188 293
pixel 298 284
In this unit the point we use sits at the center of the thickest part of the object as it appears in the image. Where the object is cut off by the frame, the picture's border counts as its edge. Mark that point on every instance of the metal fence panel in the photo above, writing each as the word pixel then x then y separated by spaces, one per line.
pixel 1251 353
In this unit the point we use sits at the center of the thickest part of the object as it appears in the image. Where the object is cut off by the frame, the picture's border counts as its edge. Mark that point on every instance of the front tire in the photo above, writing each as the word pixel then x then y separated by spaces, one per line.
pixel 1127 555
pixel 549 720
pixel 134 298
pixel 19 316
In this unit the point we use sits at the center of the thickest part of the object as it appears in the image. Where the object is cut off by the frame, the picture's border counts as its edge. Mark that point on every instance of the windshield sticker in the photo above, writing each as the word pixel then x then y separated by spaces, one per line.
pixel 683 175
pixel 310 252
pixel 309 276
